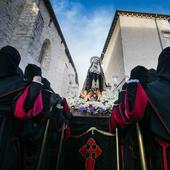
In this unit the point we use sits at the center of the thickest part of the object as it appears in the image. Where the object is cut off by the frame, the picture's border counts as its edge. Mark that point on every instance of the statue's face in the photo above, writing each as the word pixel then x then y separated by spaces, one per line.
pixel 96 61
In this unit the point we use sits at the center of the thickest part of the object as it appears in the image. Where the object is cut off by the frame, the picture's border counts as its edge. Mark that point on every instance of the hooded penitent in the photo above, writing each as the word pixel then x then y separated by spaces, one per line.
pixel 9 77
pixel 139 73
pixel 10 86
pixel 9 61
pixel 159 92
pixel 30 71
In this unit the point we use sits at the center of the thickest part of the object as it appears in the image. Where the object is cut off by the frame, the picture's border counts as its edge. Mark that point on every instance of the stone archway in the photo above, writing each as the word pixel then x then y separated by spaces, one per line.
pixel 45 55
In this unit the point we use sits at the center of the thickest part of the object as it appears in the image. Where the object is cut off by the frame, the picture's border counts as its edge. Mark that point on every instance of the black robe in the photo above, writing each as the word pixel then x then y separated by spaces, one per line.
pixel 11 128
pixel 155 122
pixel 89 150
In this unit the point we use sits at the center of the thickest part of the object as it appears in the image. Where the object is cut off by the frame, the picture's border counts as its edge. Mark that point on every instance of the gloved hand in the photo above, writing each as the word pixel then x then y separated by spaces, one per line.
pixel 55 99
pixel 31 71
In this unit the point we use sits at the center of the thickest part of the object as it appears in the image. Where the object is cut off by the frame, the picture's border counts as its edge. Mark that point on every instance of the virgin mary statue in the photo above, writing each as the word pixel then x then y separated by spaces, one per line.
pixel 94 84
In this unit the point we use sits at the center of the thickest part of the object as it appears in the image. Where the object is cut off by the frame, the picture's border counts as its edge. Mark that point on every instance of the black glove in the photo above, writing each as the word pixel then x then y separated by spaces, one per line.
pixel 30 71
pixel 55 99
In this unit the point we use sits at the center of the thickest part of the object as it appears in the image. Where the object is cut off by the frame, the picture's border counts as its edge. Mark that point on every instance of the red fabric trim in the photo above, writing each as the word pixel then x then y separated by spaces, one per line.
pixel 140 104
pixel 116 119
pixel 123 116
pixel 19 108
pixel 66 106
pixel 164 145
pixel 67 134
pixel 113 121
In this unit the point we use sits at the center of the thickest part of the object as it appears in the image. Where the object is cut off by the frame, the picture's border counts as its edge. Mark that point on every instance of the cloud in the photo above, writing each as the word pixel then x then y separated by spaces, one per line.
pixel 85 31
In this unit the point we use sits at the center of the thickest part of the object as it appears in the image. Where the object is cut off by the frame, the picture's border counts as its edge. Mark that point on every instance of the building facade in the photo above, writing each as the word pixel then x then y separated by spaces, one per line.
pixel 134 39
pixel 32 27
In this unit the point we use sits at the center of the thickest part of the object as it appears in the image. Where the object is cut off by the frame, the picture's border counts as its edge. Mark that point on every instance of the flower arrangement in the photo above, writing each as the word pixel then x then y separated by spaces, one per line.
pixel 103 106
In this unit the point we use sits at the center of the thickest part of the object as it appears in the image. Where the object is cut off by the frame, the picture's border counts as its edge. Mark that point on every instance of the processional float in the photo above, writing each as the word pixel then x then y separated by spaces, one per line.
pixel 93 92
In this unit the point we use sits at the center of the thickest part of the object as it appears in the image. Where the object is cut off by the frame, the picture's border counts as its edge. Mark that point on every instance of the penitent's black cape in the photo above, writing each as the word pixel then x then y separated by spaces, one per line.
pixel 159 95
pixel 10 86
pixel 9 125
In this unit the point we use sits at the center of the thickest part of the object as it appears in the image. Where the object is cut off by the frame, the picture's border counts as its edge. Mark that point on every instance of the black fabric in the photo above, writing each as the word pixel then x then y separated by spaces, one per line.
pixel 152 75
pixel 72 157
pixel 20 73
pixel 156 121
pixel 95 77
pixel 11 129
pixel 163 69
pixel 10 154
pixel 46 84
pixel 10 87
pixel 90 76
pixel 131 93
pixel 9 61
pixel 33 93
pixel 49 160
pixel 32 70
pixel 31 140
pixel 140 73
pixel 159 92
pixel 130 158
pixel 131 151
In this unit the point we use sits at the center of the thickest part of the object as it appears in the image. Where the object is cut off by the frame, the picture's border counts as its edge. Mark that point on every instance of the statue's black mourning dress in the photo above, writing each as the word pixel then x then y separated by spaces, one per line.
pixel 95 79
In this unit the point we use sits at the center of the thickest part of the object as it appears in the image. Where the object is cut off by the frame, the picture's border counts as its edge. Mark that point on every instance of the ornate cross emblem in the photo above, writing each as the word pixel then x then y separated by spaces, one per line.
pixel 90 151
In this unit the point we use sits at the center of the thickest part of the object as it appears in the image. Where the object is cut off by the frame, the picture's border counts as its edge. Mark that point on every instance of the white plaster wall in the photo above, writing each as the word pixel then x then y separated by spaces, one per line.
pixel 164 30
pixel 113 64
pixel 140 41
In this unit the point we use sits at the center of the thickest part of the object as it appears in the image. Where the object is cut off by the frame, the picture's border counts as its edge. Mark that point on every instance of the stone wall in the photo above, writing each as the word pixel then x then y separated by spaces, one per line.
pixel 39 41
pixel 10 11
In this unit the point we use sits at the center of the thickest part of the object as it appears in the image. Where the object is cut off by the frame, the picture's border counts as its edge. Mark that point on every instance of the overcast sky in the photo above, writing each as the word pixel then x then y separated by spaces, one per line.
pixel 85 24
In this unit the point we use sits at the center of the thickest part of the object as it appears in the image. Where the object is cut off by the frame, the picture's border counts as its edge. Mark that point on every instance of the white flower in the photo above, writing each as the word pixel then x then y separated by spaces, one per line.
pixel 106 102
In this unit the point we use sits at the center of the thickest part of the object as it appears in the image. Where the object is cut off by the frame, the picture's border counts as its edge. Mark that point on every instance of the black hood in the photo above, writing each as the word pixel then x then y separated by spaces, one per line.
pixel 163 68
pixel 140 73
pixel 31 70
pixel 9 61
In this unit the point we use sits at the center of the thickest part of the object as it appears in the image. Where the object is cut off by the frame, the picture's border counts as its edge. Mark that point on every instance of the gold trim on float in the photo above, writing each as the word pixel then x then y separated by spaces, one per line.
pixel 92 129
